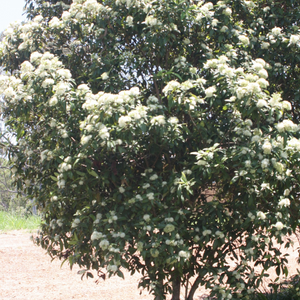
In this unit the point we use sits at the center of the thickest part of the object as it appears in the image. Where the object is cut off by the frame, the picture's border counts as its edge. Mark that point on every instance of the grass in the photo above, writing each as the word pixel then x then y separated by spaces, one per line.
pixel 11 221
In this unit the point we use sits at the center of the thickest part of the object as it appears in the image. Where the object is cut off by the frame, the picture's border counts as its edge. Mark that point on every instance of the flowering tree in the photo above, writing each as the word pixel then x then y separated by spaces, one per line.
pixel 156 136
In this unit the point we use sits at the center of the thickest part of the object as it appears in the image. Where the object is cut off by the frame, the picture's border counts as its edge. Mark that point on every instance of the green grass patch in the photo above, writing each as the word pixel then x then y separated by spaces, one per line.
pixel 11 221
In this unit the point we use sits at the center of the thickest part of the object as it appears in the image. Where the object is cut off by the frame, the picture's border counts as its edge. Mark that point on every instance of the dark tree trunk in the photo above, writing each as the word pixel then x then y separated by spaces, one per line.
pixel 193 289
pixel 159 295
pixel 176 289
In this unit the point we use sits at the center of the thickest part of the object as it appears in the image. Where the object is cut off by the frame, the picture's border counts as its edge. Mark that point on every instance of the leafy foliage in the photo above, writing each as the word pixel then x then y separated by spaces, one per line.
pixel 157 136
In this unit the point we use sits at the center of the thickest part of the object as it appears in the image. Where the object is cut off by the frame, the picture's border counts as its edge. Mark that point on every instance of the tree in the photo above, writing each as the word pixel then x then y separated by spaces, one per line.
pixel 156 136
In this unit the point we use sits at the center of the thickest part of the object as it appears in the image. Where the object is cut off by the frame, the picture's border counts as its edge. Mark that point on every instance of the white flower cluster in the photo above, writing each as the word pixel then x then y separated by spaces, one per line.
pixel 97 236
pixel 284 202
pixel 98 218
pixel 83 11
pixel 65 165
pixel 253 83
pixel 118 234
pixel 206 232
pixel 152 21
pixel 261 215
pixel 169 228
pixel 24 33
pixel 184 254
pixel 158 120
pixel 112 268
pixel 171 86
pixel 180 62
pixel 104 244
pixel 293 144
pixel 287 126
pixel 111 103
pixel 46 155
pixel 75 222
pixel 294 39
pixel 205 12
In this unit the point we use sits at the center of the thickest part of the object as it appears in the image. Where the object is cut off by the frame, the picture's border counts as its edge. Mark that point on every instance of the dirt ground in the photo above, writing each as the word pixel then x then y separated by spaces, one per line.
pixel 27 273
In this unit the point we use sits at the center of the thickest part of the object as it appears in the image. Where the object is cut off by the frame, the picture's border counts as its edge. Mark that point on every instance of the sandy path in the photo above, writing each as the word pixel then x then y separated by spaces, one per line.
pixel 27 273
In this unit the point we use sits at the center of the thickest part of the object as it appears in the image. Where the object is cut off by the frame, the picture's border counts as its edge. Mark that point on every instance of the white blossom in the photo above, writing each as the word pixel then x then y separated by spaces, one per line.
pixel 265 163
pixel 263 74
pixel 224 28
pixel 124 120
pixel 64 73
pixel 85 139
pixel 26 67
pixel 170 87
pixel 151 21
pixel 75 223
pixel 263 83
pixel 169 228
pixel 61 88
pixel 54 23
pixel 287 125
pixel 154 252
pixel 206 232
pixel 284 202
pixel 261 215
pixel 129 20
pixel 146 217
pixel 53 101
pixel 209 92
pixel 104 76
pixel 286 105
pixel 261 103
pixel 279 226
pixel 96 235
pixel 219 234
pixel 153 177
pixel 158 120
pixel 267 147
pixel 112 268
pixel 150 196
pixel 47 82
pixel 276 31
pixel 294 39
pixel 104 244
pixel 294 143
pixel 227 11
pixel 184 254
pixel 244 40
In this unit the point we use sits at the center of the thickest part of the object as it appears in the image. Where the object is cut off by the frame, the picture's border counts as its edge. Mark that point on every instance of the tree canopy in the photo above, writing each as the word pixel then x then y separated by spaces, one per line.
pixel 159 136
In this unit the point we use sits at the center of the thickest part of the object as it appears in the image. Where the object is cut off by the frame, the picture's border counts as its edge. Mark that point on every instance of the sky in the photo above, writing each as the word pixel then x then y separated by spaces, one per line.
pixel 10 11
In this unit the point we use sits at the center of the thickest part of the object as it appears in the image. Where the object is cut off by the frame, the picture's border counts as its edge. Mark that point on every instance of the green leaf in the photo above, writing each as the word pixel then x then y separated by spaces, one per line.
pixel 120 274
pixel 93 173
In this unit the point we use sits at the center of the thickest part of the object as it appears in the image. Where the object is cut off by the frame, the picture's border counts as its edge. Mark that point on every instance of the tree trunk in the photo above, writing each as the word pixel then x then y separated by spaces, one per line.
pixel 194 288
pixel 176 289
pixel 159 291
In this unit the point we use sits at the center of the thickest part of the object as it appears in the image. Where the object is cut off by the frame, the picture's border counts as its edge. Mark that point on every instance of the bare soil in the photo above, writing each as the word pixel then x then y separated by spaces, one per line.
pixel 27 273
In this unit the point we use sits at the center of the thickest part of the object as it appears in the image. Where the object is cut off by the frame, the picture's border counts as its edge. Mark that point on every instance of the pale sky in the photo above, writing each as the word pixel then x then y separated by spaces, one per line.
pixel 10 11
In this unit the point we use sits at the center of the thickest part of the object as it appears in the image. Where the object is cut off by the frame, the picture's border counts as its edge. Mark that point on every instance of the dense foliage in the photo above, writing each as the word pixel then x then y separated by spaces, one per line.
pixel 159 136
